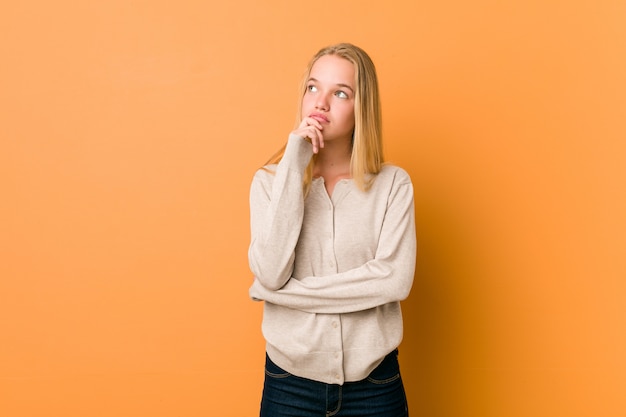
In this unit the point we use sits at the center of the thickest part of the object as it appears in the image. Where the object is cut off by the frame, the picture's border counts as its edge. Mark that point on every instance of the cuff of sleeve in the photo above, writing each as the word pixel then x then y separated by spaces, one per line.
pixel 298 153
pixel 253 292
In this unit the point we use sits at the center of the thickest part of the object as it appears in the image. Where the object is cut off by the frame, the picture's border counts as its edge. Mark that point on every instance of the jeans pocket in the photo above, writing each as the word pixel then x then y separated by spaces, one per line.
pixel 388 371
pixel 274 371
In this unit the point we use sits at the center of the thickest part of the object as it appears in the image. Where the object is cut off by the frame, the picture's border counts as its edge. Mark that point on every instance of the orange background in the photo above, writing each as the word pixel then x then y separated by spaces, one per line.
pixel 130 131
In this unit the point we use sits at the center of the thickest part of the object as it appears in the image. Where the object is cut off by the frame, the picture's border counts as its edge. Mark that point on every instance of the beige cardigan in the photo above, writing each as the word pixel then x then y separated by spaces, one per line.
pixel 332 271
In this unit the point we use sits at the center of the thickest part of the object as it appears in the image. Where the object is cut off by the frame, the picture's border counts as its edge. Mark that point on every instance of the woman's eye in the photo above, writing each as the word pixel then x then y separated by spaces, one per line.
pixel 341 94
pixel 312 88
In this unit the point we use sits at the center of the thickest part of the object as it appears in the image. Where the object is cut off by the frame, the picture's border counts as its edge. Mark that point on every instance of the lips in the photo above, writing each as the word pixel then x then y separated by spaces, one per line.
pixel 319 117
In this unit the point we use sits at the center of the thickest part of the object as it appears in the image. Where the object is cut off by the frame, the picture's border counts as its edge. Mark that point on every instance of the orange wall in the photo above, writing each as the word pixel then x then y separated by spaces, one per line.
pixel 130 131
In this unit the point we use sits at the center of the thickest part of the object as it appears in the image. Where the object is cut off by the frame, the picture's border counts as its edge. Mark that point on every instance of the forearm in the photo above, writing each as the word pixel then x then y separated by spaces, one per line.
pixel 374 284
pixel 276 214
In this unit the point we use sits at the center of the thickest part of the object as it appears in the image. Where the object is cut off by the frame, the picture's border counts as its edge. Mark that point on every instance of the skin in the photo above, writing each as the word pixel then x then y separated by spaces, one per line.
pixel 328 117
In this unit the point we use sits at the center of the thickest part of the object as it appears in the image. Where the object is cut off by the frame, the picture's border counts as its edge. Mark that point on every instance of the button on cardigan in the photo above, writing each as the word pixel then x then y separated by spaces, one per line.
pixel 331 270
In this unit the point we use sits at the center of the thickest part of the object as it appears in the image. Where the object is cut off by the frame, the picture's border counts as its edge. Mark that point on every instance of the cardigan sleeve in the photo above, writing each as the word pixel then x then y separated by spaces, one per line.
pixel 386 278
pixel 276 214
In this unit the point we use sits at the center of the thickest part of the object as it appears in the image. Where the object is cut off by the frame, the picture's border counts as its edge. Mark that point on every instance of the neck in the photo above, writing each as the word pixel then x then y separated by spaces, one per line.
pixel 334 157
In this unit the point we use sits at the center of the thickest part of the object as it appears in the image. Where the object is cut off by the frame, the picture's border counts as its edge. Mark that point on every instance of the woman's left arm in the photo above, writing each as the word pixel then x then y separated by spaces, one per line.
pixel 386 278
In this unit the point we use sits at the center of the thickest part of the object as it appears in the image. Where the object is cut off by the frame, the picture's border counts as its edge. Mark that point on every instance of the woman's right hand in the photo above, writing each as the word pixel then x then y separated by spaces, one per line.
pixel 311 130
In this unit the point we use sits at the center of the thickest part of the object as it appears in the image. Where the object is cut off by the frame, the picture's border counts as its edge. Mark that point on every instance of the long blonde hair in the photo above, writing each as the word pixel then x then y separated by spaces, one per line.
pixel 367 145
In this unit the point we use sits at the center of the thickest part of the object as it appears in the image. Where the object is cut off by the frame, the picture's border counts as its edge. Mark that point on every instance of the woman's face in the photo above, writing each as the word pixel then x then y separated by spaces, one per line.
pixel 329 96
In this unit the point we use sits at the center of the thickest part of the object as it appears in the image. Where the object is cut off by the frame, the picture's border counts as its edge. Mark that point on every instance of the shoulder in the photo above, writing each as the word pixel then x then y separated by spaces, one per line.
pixel 393 184
pixel 392 181
pixel 263 178
pixel 265 173
pixel 395 174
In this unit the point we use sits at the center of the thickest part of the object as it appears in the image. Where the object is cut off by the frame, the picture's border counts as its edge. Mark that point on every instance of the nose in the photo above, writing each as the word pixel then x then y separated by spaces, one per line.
pixel 321 102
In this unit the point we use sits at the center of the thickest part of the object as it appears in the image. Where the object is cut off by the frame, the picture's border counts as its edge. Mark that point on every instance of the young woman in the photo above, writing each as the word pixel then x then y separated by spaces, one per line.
pixel 333 251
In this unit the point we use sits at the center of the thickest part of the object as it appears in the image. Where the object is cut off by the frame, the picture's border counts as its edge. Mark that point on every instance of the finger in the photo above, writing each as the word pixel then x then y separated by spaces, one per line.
pixel 315 122
pixel 317 140
pixel 312 135
pixel 309 121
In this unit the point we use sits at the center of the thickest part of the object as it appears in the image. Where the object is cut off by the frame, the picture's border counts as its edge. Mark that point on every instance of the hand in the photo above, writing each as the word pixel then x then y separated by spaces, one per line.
pixel 311 130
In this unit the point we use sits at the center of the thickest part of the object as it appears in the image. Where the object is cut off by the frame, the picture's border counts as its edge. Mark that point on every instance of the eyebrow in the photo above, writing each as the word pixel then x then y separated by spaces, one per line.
pixel 338 85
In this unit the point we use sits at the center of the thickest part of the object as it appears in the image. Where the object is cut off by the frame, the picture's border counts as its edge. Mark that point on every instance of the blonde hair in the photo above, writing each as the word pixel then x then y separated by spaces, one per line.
pixel 367 146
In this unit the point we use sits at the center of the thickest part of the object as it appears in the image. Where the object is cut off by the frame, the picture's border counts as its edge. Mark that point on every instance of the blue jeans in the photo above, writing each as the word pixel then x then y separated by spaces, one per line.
pixel 381 394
